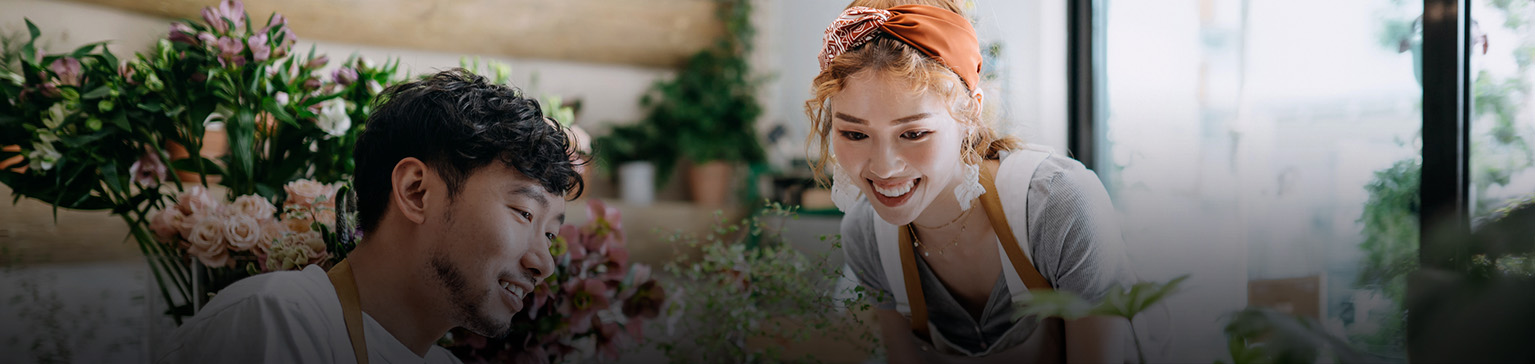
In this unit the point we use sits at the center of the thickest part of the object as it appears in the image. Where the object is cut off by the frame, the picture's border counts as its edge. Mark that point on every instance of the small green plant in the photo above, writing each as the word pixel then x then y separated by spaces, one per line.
pixel 732 296
pixel 1119 302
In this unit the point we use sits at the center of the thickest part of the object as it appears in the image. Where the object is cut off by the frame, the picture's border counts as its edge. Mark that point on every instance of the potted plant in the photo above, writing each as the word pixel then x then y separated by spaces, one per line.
pixel 710 109
pixel 632 153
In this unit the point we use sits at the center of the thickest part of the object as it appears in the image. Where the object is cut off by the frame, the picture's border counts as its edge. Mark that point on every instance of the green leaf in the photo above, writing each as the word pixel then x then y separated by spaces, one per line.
pixel 190 165
pixel 32 30
pixel 97 93
pixel 84 50
pixel 277 111
pixel 1047 304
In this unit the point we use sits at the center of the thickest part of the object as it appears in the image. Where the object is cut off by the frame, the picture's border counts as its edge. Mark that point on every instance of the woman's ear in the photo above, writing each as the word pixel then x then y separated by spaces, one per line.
pixel 408 189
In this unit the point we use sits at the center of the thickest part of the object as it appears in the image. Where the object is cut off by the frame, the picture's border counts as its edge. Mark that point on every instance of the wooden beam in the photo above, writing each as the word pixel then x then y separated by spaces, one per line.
pixel 654 33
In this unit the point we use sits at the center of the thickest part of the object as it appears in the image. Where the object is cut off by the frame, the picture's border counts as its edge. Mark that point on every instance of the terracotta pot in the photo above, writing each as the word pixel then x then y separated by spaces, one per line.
pixel 215 144
pixel 709 183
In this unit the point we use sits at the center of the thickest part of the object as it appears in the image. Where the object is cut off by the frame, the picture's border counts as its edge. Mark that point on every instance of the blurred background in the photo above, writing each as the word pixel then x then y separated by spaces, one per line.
pixel 1270 149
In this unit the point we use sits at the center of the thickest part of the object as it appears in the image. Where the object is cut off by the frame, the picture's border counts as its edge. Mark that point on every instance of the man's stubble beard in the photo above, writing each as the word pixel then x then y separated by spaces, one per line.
pixel 465 303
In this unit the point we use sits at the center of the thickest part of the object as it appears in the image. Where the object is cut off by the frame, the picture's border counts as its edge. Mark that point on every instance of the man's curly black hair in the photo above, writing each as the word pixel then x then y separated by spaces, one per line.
pixel 456 122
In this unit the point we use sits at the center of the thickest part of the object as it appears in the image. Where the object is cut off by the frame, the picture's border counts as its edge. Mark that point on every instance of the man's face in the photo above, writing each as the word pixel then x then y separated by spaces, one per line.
pixel 494 245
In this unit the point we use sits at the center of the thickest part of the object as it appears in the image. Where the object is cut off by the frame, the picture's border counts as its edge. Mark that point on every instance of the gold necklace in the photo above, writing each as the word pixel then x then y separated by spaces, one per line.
pixel 961 216
pixel 917 242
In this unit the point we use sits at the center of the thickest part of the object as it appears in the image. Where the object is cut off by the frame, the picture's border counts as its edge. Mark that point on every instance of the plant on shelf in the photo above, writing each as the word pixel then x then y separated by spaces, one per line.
pixel 93 132
pixel 708 112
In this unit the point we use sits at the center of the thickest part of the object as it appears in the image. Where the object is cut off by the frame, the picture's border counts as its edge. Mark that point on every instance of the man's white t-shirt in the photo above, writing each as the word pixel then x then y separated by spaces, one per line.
pixel 283 317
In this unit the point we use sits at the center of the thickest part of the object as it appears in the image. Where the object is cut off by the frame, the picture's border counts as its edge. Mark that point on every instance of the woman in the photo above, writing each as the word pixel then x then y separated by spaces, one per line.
pixel 948 220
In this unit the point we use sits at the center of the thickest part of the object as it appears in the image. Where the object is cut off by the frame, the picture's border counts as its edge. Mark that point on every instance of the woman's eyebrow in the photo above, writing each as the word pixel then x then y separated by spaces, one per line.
pixel 901 120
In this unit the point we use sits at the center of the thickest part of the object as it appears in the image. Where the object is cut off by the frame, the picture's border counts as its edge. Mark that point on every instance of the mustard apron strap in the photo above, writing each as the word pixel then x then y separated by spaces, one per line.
pixel 351 309
pixel 992 202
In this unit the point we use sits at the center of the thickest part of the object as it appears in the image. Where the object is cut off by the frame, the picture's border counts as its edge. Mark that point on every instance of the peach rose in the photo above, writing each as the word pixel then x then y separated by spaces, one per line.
pixel 271 232
pixel 326 216
pixel 306 193
pixel 254 206
pixel 167 223
pixel 195 200
pixel 298 224
pixel 242 232
pixel 207 242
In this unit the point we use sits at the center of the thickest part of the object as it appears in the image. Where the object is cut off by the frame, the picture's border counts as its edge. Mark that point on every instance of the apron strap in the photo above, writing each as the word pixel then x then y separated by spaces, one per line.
pixel 993 205
pixel 992 202
pixel 351 310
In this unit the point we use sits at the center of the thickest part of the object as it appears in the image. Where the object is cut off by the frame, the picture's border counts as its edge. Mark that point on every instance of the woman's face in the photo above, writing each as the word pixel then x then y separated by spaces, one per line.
pixel 901 148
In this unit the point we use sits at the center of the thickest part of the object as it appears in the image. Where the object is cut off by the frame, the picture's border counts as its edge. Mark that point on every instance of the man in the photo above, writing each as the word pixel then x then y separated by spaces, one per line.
pixel 460 185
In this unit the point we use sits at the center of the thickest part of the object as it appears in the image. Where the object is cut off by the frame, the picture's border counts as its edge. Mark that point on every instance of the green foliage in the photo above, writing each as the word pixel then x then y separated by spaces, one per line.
pixel 1262 336
pixel 1118 302
pixel 708 112
pixel 732 294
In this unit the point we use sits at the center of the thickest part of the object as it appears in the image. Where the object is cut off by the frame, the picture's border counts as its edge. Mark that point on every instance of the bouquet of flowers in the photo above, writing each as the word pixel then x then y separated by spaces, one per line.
pixel 91 132
pixel 253 231
pixel 594 299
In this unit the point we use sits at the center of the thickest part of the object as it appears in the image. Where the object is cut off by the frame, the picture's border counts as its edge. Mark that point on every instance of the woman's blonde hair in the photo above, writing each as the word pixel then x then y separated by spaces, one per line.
pixel 891 58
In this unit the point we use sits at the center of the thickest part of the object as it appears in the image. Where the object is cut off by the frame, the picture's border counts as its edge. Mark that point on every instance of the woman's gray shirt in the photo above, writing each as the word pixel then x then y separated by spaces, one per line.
pixel 1074 241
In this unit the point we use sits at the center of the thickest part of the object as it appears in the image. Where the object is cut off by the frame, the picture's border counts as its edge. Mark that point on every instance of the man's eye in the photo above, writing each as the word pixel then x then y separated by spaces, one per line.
pixel 550 236
pixel 853 135
pixel 915 134
pixel 524 214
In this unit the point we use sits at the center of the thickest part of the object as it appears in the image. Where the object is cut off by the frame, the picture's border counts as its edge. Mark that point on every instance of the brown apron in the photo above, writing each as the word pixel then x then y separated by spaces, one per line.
pixel 1045 344
pixel 351 310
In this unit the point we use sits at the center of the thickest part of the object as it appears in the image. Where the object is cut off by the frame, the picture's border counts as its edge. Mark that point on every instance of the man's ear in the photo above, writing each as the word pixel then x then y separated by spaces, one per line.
pixel 408 189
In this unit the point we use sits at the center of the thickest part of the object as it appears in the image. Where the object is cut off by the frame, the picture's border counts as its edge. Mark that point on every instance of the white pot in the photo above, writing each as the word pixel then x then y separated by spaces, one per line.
pixel 637 183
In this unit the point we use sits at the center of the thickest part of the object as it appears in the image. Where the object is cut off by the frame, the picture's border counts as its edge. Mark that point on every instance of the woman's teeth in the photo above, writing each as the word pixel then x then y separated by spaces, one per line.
pixel 897 190
pixel 514 289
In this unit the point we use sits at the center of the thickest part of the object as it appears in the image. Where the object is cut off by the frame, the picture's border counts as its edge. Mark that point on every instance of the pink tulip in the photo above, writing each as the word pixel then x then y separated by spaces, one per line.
pixel 207 39
pixel 345 76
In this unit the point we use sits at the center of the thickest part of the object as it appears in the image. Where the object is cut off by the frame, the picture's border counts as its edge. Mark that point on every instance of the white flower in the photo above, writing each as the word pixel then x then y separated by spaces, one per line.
pixel 43 155
pixel 56 115
pixel 333 119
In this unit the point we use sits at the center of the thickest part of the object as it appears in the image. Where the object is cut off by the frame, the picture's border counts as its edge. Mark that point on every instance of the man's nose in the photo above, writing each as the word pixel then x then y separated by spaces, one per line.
pixel 538 261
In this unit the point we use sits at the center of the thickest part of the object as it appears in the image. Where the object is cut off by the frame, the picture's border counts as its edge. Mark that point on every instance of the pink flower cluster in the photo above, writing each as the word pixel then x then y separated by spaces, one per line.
pixel 221 234
pixel 227 35
pixel 595 299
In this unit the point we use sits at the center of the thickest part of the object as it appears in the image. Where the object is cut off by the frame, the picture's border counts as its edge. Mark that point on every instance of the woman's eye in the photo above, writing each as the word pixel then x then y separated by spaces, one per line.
pixel 853 135
pixel 550 236
pixel 914 135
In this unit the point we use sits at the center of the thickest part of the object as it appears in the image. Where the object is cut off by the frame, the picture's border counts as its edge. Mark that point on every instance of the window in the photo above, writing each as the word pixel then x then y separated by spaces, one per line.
pixel 1271 150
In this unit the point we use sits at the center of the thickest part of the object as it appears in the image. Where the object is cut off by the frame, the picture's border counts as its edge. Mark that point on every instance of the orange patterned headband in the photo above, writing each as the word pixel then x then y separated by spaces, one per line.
pixel 941 34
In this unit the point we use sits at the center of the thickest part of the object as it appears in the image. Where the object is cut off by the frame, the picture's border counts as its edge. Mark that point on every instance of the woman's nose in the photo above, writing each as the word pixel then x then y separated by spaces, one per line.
pixel 886 163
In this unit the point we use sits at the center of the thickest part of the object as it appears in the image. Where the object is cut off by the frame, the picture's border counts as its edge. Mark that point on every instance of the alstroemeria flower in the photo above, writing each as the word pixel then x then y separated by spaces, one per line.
pixel 345 76
pixel 584 298
pixel 149 170
pixel 67 70
pixel 232 11
pixel 317 62
pixel 230 50
pixel 181 33
pixel 260 50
